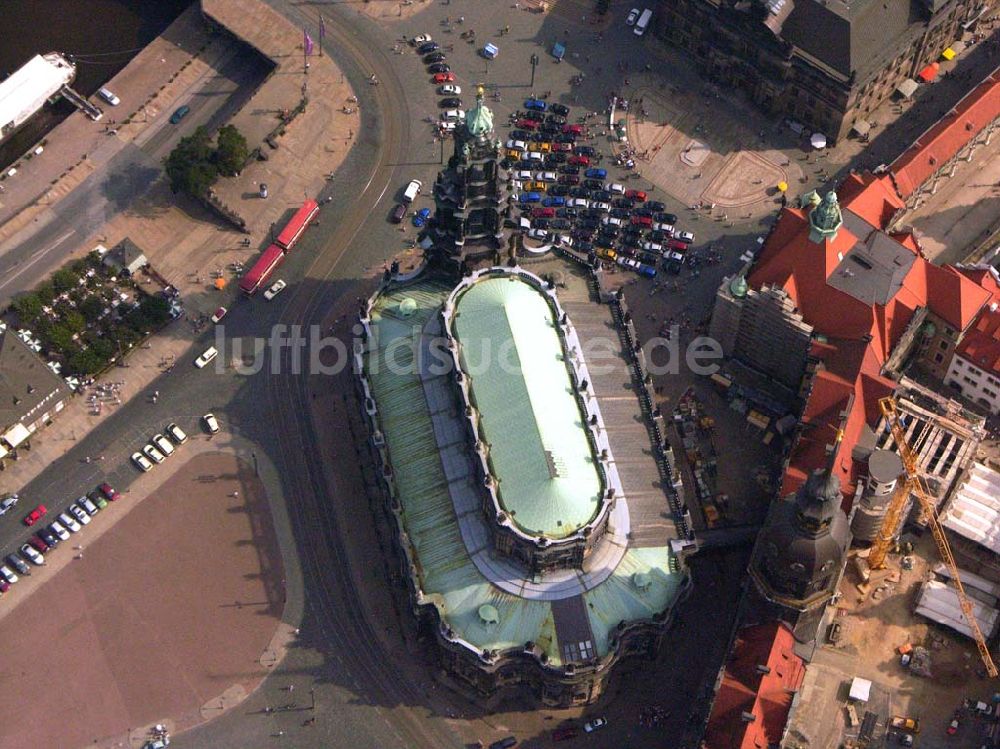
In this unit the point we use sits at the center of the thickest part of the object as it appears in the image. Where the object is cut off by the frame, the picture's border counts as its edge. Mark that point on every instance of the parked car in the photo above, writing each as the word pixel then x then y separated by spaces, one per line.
pixel 443 77
pixel 539 235
pixel 79 513
pixel 596 173
pixel 35 515
pixel 637 195
pixel 153 453
pixel 435 57
pixel 427 47
pixel 84 503
pixel 450 89
pixel 543 212
pixel 560 109
pixel 8 574
pixel 219 314
pixel 32 555
pixel 632 17
pixel 211 423
pixel 585 151
pixel 439 67
pixel 420 217
pixel 98 499
pixel 451 101
pixel 141 462
pixel 616 188
pixel 44 539
pixel 644 221
pixel 7 503
pixel 685 236
pixel 163 445
pixel 176 434
pixel 556 201
pixel 70 522
pixel 276 288
pixel 453 115
pixel 18 564
pixel 504 743
pixel 58 530
pixel 573 129
pixel 535 104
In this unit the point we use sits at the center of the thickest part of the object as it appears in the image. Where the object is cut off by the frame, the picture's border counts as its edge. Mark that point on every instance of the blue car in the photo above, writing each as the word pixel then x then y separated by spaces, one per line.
pixel 535 104
pixel 594 173
pixel 530 197
pixel 421 216
pixel 554 202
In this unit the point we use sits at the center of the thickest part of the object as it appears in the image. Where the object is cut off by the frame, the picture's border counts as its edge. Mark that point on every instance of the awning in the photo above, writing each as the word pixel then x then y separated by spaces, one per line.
pixel 818 140
pixel 907 88
pixel 16 435
pixel 862 127
pixel 948 54
pixel 929 73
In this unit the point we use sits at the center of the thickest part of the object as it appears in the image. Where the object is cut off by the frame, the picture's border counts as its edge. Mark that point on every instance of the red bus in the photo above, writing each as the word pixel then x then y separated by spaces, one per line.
pixel 297 225
pixel 257 275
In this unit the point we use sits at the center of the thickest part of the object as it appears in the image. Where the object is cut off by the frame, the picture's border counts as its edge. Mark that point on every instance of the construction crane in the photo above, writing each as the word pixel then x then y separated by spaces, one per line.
pixel 913 483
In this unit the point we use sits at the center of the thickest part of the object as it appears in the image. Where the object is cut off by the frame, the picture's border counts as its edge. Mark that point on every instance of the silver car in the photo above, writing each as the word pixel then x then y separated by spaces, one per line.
pixel 80 514
pixel 69 522
pixel 32 555
pixel 8 574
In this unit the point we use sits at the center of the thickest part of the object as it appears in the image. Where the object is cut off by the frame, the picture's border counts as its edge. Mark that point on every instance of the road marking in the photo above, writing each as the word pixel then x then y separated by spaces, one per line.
pixel 36 257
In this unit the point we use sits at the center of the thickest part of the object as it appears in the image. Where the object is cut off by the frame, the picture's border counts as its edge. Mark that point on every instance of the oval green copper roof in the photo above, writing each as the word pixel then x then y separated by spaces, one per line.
pixel 548 481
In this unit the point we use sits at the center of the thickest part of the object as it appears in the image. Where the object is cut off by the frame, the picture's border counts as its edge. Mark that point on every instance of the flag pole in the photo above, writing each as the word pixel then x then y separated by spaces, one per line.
pixel 322 33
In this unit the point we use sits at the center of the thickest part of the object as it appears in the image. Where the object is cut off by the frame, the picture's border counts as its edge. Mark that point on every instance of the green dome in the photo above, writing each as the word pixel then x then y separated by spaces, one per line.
pixel 479 120
pixel 738 287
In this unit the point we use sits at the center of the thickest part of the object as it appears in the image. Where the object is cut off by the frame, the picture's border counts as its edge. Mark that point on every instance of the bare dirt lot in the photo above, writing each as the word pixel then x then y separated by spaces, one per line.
pixel 167 611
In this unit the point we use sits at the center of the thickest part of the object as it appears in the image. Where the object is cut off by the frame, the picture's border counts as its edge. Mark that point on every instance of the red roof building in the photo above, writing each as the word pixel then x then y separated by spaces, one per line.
pixel 755 696
pixel 947 137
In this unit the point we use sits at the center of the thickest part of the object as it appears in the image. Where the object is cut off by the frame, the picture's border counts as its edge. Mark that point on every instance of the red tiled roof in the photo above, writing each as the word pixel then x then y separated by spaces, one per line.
pixel 947 137
pixel 981 344
pixel 761 677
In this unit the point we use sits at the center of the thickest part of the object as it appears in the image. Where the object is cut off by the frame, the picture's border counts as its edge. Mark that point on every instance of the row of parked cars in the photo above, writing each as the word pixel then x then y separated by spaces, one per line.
pixel 48 535
pixel 565 199
pixel 163 444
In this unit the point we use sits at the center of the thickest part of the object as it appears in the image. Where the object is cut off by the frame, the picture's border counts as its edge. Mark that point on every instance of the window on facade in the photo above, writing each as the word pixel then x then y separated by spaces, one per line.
pixel 949 331
pixel 943 344
pixel 939 358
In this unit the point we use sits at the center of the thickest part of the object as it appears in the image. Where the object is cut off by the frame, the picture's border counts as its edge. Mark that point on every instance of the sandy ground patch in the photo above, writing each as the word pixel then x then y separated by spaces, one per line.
pixel 170 609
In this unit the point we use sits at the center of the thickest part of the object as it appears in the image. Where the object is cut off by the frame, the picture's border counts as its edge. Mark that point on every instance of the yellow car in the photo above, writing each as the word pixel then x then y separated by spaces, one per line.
pixel 543 147
pixel 605 253
pixel 513 153
pixel 535 186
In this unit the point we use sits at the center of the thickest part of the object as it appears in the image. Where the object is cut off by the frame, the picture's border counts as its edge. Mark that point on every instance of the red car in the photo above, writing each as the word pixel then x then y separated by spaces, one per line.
pixel 39 543
pixel 543 213
pixel 573 129
pixel 565 147
pixel 637 195
pixel 644 221
pixel 526 124
pixel 676 245
pixel 579 161
pixel 444 77
pixel 35 515
pixel 109 492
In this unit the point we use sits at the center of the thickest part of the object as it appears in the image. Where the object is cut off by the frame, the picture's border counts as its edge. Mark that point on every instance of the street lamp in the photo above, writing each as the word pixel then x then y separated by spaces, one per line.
pixel 534 63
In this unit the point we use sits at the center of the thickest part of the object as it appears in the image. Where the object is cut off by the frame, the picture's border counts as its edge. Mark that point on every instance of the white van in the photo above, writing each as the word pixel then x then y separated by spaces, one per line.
pixel 643 22
pixel 205 358
pixel 412 190
pixel 109 97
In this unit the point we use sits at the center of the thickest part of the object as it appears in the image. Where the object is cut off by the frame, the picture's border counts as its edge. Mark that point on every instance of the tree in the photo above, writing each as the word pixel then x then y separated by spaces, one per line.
pixel 231 151
pixel 64 279
pixel 75 321
pixel 190 166
pixel 28 308
pixel 92 308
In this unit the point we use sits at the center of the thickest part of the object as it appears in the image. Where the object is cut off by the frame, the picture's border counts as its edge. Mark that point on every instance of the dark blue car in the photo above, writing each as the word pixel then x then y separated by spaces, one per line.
pixel 530 197
pixel 536 104
pixel 595 173
pixel 554 202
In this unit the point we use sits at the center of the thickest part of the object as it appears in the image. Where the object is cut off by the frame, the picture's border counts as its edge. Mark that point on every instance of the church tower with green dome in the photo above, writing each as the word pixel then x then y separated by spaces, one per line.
pixel 825 218
pixel 470 197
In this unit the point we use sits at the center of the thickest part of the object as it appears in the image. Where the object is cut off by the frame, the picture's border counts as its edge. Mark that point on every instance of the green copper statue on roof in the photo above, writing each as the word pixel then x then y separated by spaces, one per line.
pixel 479 121
pixel 825 219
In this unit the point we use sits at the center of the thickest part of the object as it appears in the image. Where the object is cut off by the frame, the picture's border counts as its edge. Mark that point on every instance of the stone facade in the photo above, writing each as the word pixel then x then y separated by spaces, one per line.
pixel 825 65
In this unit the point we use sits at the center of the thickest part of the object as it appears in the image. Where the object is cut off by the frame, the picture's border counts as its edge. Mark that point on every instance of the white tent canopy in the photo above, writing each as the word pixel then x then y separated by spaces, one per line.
pixel 818 140
pixel 861 689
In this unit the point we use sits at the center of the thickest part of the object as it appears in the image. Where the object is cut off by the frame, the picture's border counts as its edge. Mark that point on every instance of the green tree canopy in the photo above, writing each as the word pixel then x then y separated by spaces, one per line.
pixel 28 308
pixel 190 166
pixel 231 151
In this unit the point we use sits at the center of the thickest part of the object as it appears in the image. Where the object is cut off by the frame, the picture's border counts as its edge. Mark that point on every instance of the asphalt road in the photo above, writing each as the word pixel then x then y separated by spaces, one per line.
pixel 122 179
pixel 357 682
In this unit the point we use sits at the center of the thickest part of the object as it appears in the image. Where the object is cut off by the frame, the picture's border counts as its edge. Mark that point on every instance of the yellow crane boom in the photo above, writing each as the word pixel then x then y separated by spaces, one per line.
pixel 914 483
